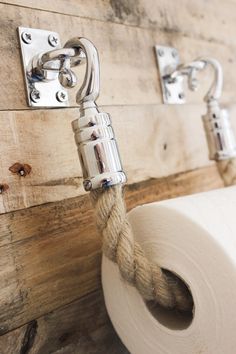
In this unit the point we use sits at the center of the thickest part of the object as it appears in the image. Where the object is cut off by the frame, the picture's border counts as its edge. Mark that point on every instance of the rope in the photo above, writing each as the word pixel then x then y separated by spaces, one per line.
pixel 152 282
pixel 227 171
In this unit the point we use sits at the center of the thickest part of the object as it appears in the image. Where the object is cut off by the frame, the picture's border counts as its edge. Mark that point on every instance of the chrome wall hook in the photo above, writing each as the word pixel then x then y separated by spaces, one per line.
pixel 191 69
pixel 219 134
pixel 89 90
pixel 47 71
pixel 94 136
pixel 47 67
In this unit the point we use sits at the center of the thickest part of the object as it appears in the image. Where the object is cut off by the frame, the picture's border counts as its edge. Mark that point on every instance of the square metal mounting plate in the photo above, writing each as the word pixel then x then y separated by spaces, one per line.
pixel 168 61
pixel 33 42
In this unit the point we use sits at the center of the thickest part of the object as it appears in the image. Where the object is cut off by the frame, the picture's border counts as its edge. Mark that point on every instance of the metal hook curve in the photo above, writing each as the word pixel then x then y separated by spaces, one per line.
pixel 215 91
pixel 89 91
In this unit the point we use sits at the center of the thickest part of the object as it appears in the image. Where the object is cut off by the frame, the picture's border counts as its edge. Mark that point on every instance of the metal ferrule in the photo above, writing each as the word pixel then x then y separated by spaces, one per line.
pixel 98 151
pixel 220 136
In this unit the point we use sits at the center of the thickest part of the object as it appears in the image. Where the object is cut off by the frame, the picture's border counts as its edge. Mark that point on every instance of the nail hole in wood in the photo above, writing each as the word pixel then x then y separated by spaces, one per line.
pixel 21 169
pixel 3 188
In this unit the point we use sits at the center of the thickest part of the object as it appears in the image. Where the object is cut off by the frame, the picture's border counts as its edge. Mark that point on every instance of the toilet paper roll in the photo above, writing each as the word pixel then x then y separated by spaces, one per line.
pixel 194 237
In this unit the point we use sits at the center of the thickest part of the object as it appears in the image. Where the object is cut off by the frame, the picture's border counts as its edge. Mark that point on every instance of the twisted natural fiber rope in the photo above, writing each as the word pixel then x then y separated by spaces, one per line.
pixel 227 170
pixel 119 246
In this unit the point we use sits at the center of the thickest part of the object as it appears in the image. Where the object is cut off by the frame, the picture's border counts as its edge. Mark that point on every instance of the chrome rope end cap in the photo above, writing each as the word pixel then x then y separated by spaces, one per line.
pixel 219 133
pixel 98 151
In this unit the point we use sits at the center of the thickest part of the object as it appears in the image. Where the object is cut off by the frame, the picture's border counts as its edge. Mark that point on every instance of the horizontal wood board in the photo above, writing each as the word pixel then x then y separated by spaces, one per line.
pixel 50 254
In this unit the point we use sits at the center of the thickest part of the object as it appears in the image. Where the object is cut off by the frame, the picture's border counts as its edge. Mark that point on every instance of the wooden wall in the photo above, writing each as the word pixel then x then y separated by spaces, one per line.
pixel 50 292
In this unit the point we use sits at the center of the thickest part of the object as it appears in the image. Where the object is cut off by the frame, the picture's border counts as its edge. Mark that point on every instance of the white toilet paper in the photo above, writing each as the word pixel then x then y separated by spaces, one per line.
pixel 195 237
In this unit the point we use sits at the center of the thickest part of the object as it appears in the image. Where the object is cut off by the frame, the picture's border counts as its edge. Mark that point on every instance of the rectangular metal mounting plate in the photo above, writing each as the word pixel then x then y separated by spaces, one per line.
pixel 39 43
pixel 168 61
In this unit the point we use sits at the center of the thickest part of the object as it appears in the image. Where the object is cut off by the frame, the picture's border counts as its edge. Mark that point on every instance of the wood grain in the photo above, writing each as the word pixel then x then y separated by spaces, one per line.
pixel 171 140
pixel 116 45
pixel 200 18
pixel 80 327
pixel 50 294
pixel 50 255
pixel 127 76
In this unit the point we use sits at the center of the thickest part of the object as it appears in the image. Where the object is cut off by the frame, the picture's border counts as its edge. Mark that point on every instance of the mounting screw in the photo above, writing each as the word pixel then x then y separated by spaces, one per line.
pixel 181 95
pixel 26 37
pixel 160 52
pixel 53 40
pixel 22 172
pixel 87 185
pixel 35 95
pixel 20 169
pixel 62 96
pixel 106 183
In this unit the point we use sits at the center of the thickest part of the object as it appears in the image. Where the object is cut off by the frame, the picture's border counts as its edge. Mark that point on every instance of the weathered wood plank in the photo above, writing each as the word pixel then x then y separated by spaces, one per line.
pixel 170 141
pixel 128 67
pixel 50 255
pixel 80 327
pixel 117 45
pixel 45 141
pixel 189 17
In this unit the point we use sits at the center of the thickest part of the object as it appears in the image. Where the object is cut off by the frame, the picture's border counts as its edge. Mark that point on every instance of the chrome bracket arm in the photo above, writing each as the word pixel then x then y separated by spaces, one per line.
pixel 220 136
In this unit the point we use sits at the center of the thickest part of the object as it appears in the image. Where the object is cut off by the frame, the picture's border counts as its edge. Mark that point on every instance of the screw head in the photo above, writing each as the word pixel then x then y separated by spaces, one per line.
pixel 181 96
pixel 62 96
pixel 26 37
pixel 160 52
pixel 106 183
pixel 35 95
pixel 53 40
pixel 22 172
pixel 87 185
